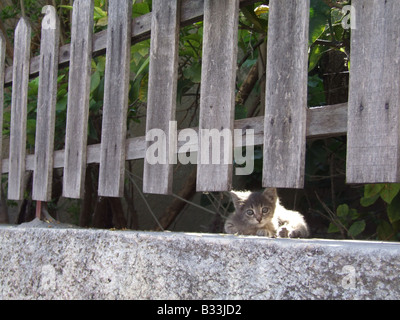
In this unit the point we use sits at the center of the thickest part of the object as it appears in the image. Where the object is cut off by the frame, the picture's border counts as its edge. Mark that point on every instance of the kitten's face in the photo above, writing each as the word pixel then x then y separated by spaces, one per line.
pixel 255 208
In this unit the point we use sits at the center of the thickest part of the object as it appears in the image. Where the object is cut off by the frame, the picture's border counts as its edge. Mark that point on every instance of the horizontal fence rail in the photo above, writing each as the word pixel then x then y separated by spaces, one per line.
pixel 371 118
pixel 322 122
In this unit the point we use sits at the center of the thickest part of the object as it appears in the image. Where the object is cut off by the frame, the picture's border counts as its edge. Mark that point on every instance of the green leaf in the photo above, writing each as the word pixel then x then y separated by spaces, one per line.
pixel 316 91
pixel 101 64
pixel 144 65
pixel 371 190
pixel 393 210
pixel 61 93
pixel 342 211
pixel 66 7
pixel 316 53
pixel 30 131
pixel 140 50
pixel 62 103
pixel 102 22
pixel 33 87
pixel 98 94
pixel 258 24
pixel 193 72
pixel 99 13
pixel 353 214
pixel 60 78
pixel 99 3
pixel 389 191
pixel 262 9
pixel 144 84
pixel 193 37
pixel 385 231
pixel 139 9
pixel 356 228
pixel 319 14
pixel 92 133
pixel 240 112
pixel 95 81
pixel 366 202
pixel 333 228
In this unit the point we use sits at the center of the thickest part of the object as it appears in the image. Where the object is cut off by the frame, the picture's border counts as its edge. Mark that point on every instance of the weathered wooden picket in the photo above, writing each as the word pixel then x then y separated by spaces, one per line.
pixel 370 119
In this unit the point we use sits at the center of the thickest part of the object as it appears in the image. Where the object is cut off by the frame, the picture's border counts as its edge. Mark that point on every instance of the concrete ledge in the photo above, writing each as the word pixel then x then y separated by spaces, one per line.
pixel 40 263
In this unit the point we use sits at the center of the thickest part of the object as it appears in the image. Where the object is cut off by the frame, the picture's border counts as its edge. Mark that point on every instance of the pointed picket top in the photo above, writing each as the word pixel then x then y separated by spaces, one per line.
pixel 116 91
pixel 161 105
pixel 46 108
pixel 23 25
pixel 78 99
pixel 19 101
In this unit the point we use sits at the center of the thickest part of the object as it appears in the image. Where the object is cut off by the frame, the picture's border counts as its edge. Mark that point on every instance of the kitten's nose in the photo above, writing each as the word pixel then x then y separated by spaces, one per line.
pixel 259 219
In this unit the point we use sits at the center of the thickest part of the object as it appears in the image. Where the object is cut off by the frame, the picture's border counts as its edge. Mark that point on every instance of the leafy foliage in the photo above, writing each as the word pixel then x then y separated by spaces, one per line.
pixel 370 211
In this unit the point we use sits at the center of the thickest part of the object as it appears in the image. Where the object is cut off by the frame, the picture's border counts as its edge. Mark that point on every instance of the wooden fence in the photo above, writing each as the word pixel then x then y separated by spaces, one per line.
pixel 370 119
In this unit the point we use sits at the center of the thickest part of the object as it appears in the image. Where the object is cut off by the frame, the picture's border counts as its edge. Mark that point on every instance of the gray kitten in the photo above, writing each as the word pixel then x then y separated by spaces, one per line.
pixel 261 214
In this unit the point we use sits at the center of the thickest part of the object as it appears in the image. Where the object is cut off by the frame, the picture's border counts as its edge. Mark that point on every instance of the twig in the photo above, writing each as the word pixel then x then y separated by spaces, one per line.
pixel 9 46
pixel 145 201
pixel 192 203
pixel 213 201
pixel 21 2
pixel 179 197
pixel 329 43
pixel 228 205
pixel 251 51
pixel 336 222
pixel 332 4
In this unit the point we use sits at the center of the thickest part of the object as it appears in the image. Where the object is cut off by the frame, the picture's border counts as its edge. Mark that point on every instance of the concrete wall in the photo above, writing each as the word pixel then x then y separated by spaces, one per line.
pixel 48 263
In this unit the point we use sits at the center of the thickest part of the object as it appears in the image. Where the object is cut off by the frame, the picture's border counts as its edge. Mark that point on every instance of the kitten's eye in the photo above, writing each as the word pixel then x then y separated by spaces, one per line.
pixel 249 212
pixel 265 210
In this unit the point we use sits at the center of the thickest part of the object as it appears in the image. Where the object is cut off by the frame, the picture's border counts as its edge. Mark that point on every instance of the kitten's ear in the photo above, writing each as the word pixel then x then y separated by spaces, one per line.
pixel 238 198
pixel 271 194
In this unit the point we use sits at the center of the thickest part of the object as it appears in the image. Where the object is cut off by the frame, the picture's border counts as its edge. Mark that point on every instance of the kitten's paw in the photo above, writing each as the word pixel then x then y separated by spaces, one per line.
pixel 287 232
pixel 261 233
pixel 230 228
pixel 295 234
pixel 264 233
pixel 283 232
